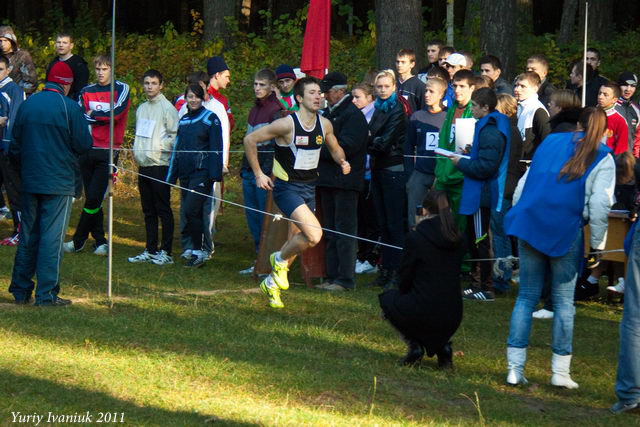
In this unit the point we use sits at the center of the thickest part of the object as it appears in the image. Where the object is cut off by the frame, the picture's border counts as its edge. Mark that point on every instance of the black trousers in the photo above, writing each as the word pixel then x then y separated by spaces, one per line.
pixel 155 198
pixel 340 213
pixel 94 168
pixel 479 241
pixel 194 204
pixel 367 226
pixel 11 180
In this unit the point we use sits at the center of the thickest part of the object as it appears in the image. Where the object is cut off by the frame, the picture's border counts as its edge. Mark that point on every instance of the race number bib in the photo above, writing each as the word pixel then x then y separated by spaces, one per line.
pixel 145 127
pixel 307 159
pixel 431 141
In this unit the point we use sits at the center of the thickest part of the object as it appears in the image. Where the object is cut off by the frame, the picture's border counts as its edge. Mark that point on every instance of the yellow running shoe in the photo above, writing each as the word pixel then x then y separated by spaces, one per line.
pixel 279 272
pixel 273 294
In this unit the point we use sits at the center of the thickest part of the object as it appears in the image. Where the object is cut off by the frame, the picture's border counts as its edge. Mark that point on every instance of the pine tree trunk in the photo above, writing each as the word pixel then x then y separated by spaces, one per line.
pixel 568 22
pixel 438 15
pixel 524 15
pixel 214 12
pixel 397 28
pixel 473 17
pixel 600 19
pixel 498 37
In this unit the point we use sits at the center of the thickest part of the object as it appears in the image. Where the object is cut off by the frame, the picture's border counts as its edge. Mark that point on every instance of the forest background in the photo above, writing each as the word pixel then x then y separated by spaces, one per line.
pixel 176 37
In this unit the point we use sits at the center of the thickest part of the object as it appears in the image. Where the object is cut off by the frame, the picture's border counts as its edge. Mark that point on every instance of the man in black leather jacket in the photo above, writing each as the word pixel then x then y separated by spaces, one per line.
pixel 338 192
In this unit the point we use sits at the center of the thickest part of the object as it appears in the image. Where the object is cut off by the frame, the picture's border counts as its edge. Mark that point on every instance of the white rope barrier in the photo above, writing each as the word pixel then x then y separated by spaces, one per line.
pixel 276 217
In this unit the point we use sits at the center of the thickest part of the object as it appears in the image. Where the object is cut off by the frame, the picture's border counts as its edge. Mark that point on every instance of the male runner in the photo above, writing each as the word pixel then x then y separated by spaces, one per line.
pixel 299 138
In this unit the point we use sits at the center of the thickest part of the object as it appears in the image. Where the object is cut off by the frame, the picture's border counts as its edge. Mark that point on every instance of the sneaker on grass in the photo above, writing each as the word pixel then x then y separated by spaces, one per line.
pixel 143 257
pixel 279 271
pixel 162 258
pixel 102 250
pixel 481 296
pixel 10 241
pixel 543 313
pixel 71 247
pixel 618 288
pixel 620 407
pixel 5 213
pixel 366 268
pixel 186 254
pixel 272 291
pixel 248 270
pixel 197 260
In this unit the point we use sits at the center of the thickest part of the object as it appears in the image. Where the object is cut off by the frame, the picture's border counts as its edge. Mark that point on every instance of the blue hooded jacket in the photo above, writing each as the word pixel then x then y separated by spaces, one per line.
pixel 485 173
pixel 548 215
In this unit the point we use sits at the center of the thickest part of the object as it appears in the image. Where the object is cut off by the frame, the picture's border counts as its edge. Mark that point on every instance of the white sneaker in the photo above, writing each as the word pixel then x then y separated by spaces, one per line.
pixel 358 266
pixel 5 213
pixel 186 254
pixel 102 250
pixel 69 247
pixel 618 288
pixel 368 268
pixel 161 258
pixel 247 271
pixel 542 314
pixel 143 257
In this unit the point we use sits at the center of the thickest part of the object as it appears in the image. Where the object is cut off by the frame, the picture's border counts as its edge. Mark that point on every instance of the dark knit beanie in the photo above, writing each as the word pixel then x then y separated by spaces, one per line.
pixel 285 71
pixel 216 64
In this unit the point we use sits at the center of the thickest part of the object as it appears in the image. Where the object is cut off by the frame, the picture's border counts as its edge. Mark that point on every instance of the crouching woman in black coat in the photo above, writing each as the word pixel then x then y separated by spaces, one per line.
pixel 426 308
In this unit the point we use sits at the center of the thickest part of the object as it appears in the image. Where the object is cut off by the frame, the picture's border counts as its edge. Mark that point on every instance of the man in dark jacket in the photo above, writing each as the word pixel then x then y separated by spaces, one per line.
pixel 64 49
pixel 630 110
pixel 49 133
pixel 540 65
pixel 339 192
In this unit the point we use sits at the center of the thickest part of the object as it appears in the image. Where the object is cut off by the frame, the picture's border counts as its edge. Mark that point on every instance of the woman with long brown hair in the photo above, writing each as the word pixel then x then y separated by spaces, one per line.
pixel 426 308
pixel 570 182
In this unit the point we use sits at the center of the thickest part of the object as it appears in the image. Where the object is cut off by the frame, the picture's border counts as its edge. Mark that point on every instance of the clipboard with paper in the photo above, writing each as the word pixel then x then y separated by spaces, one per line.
pixel 464 130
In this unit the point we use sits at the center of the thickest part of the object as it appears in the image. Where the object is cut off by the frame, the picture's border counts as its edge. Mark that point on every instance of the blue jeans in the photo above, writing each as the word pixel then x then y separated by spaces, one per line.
pixel 628 377
pixel 501 245
pixel 256 198
pixel 564 271
pixel 388 193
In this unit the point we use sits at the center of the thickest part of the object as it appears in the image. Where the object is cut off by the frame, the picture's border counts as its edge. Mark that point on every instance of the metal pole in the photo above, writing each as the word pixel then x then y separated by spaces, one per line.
pixel 584 56
pixel 111 122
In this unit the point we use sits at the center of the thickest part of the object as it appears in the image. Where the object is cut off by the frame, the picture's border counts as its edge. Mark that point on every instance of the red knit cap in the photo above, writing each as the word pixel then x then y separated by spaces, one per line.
pixel 60 73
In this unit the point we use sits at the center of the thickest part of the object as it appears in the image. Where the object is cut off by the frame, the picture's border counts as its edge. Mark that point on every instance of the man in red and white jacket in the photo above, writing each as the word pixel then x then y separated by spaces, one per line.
pixel 94 165
pixel 617 129
pixel 219 78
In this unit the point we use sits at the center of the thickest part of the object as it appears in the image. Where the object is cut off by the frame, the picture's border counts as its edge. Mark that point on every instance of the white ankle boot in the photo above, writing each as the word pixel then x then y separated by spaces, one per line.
pixel 560 372
pixel 516 358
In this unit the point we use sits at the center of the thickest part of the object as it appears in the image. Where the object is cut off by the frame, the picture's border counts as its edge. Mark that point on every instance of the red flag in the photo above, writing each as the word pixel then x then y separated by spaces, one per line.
pixel 315 51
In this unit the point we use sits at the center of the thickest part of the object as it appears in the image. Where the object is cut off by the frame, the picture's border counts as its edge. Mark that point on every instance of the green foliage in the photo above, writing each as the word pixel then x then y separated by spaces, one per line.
pixel 176 54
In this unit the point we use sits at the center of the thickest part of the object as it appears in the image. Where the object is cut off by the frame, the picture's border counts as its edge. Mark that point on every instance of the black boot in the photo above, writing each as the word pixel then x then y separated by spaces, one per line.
pixel 382 278
pixel 445 357
pixel 392 281
pixel 414 355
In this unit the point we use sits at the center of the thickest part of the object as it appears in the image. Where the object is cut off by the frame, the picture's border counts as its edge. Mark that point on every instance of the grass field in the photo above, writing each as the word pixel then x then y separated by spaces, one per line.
pixel 180 347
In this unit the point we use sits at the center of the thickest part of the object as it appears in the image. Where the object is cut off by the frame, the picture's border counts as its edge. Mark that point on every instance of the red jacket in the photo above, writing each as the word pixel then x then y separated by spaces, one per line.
pixel 95 101
pixel 223 99
pixel 617 131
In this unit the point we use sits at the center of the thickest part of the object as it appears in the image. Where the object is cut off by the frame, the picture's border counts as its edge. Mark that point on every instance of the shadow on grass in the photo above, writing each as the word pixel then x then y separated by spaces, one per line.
pixel 320 359
pixel 30 395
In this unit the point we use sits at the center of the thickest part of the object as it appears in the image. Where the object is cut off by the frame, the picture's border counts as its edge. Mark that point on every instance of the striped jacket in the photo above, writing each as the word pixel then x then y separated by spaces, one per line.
pixel 95 102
